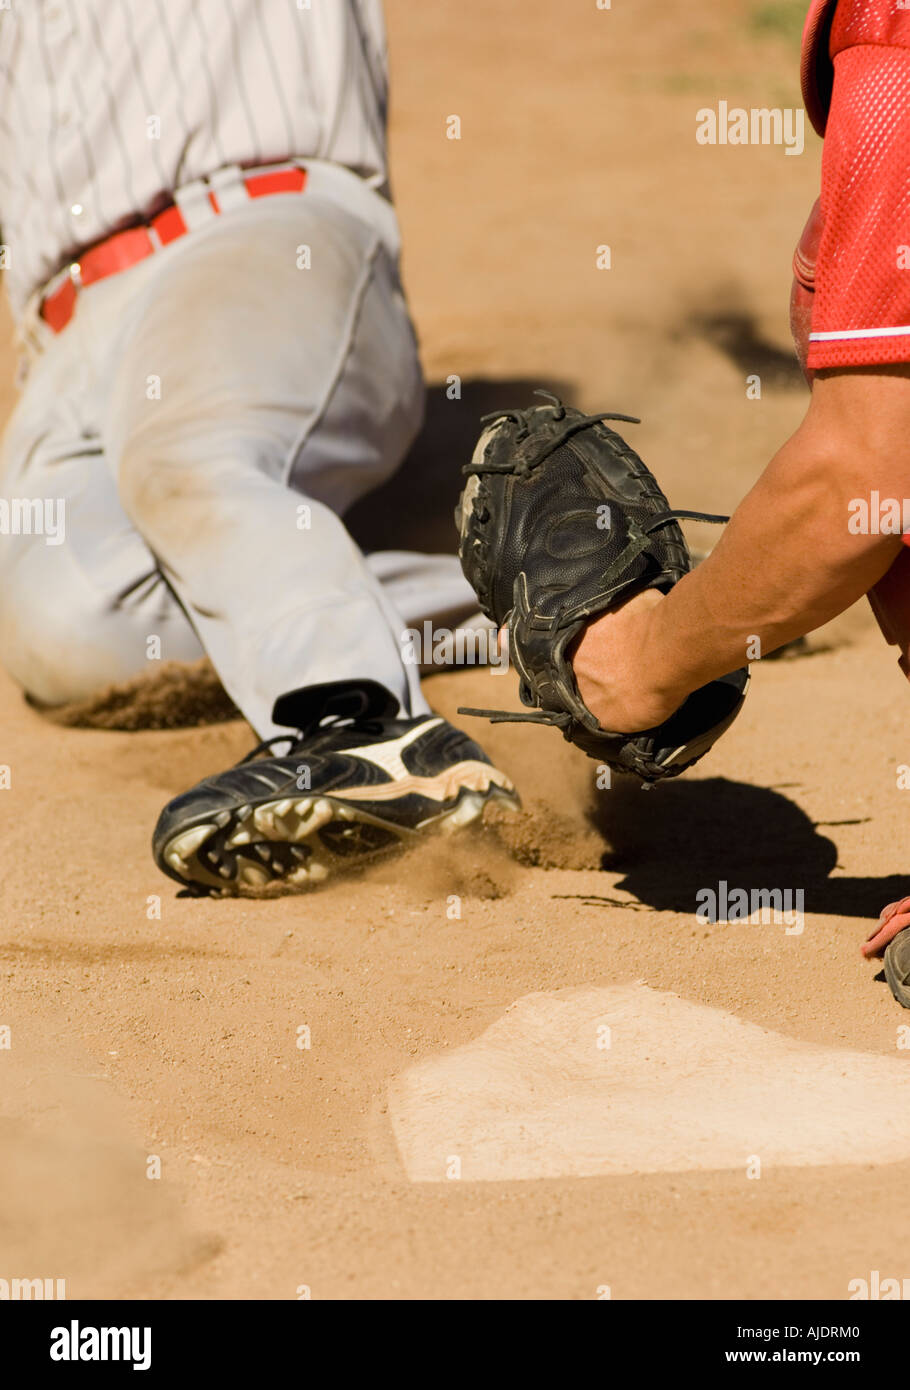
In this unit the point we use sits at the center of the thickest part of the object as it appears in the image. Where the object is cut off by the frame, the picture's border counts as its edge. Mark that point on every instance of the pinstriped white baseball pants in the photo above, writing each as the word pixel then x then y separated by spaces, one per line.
pixel 207 417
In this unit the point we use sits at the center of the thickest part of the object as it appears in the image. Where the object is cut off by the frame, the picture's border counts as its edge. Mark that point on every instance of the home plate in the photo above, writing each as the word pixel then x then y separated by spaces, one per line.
pixel 593 1082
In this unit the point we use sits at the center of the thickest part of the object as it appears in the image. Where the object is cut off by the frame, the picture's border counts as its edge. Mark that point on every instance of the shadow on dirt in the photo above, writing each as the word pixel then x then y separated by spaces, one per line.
pixel 676 839
pixel 736 335
pixel 414 509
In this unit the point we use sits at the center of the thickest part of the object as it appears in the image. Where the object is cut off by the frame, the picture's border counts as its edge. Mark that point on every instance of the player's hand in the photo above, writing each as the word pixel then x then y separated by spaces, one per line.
pixel 894 918
pixel 615 668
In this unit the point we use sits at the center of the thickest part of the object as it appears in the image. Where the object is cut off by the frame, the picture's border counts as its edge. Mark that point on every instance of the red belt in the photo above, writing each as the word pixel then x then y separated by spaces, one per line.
pixel 127 248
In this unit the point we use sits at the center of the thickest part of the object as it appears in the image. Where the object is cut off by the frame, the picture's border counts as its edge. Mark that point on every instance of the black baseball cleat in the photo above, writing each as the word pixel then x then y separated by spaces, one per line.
pixel 356 781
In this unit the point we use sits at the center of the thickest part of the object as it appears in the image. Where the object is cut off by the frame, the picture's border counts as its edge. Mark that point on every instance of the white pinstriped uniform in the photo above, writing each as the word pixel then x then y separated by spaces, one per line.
pixel 80 80
pixel 276 381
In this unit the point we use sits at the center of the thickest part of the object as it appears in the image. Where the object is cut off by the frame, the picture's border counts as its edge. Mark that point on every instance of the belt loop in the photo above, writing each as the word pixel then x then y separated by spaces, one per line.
pixel 31 338
pixel 33 331
pixel 228 187
pixel 28 350
pixel 195 204
pixel 27 335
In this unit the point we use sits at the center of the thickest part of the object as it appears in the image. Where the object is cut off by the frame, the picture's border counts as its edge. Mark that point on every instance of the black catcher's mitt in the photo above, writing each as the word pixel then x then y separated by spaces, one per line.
pixel 560 521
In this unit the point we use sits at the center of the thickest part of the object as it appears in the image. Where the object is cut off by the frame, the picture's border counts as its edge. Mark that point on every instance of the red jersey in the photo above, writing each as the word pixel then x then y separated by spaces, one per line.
pixel 851 299
pixel 855 253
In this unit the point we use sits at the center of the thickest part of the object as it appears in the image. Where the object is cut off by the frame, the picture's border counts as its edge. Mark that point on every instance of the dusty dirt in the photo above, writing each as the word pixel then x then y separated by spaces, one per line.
pixel 136 1037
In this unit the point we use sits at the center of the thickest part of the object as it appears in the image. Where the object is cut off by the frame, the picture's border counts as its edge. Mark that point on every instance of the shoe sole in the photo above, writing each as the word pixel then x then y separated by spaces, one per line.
pixel 301 841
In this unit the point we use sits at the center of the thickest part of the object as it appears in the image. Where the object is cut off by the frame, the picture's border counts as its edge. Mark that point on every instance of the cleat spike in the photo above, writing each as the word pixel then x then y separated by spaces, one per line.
pixel 186 844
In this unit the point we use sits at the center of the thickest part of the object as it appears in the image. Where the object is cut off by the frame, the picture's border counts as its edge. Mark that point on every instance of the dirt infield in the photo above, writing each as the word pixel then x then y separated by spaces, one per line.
pixel 150 1027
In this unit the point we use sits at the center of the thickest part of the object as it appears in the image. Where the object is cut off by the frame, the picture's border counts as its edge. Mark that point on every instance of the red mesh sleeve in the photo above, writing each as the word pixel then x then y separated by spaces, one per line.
pixel 861 312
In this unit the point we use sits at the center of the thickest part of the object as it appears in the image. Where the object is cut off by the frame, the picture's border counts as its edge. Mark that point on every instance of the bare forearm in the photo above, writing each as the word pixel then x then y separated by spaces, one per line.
pixel 786 564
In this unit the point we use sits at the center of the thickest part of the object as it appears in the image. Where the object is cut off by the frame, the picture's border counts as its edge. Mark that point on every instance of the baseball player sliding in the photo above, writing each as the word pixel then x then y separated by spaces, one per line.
pixel 202 259
pixel 616 640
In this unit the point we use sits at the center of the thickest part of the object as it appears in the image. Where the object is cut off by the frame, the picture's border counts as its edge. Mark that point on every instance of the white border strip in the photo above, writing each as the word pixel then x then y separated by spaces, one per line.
pixel 861 333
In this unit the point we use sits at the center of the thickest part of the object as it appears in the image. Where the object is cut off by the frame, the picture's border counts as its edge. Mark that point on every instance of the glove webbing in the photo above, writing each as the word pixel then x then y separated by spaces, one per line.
pixel 523 466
